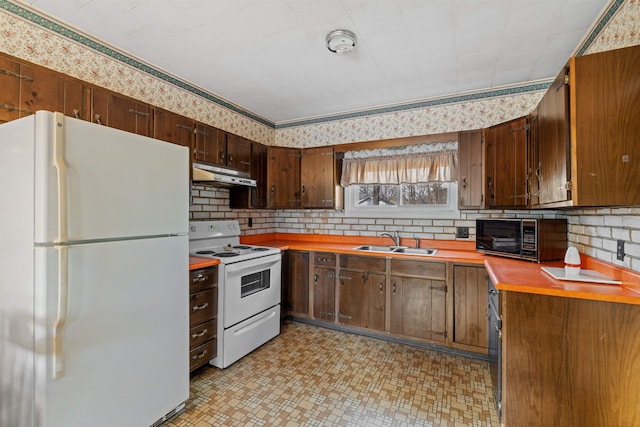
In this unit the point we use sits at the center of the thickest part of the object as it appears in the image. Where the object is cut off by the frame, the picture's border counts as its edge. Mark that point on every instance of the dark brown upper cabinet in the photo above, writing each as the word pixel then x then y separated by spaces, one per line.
pixel 506 164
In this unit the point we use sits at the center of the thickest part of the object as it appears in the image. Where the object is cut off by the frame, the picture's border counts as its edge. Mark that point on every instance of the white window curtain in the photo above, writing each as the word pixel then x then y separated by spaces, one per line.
pixel 411 164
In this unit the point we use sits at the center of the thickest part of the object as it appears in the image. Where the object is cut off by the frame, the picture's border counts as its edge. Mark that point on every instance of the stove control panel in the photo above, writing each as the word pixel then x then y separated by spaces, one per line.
pixel 211 229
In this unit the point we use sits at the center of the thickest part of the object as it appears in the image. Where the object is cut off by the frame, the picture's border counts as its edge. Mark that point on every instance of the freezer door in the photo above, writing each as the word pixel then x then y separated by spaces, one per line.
pixel 94 182
pixel 115 348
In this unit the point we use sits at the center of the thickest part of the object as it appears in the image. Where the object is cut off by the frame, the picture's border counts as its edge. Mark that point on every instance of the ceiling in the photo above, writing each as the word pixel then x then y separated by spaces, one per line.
pixel 269 56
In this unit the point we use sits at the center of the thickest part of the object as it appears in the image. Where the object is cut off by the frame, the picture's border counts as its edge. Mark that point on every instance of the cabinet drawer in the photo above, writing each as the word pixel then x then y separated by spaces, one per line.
pixel 324 259
pixel 203 306
pixel 202 333
pixel 203 279
pixel 363 263
pixel 419 268
pixel 201 355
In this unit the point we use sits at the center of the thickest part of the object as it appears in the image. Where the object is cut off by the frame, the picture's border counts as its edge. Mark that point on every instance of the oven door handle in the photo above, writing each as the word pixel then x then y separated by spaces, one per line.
pixel 245 266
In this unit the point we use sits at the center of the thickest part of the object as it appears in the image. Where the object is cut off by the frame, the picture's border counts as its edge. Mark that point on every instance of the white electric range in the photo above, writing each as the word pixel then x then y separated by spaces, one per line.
pixel 249 283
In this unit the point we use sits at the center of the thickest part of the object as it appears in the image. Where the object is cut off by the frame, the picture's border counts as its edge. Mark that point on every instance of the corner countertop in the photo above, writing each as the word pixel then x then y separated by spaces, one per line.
pixel 528 277
pixel 506 274
pixel 197 262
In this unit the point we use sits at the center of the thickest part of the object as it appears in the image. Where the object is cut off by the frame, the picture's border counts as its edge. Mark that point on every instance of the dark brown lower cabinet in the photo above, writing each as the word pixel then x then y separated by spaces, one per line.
pixel 203 315
pixel 295 284
pixel 324 293
pixel 362 299
pixel 470 292
pixel 569 362
pixel 418 308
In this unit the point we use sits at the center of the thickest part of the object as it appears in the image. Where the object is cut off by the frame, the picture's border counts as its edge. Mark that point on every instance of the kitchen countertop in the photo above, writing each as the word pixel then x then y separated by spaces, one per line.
pixel 447 251
pixel 507 274
pixel 528 277
pixel 197 262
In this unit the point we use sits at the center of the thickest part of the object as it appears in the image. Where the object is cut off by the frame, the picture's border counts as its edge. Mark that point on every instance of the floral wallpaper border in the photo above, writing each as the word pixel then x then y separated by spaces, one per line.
pixel 70 34
pixel 119 56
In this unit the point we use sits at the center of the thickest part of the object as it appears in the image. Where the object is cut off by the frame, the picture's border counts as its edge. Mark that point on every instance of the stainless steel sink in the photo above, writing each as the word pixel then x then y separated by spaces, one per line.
pixel 417 251
pixel 374 248
pixel 397 250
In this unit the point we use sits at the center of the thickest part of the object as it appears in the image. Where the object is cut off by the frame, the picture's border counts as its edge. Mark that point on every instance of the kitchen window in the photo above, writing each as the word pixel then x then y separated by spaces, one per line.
pixel 410 182
pixel 431 200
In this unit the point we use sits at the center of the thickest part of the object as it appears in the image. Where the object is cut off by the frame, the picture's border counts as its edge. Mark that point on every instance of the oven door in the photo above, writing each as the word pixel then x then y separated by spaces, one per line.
pixel 251 287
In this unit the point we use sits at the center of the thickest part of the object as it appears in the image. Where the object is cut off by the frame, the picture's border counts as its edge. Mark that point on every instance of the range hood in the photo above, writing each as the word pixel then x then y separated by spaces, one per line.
pixel 221 176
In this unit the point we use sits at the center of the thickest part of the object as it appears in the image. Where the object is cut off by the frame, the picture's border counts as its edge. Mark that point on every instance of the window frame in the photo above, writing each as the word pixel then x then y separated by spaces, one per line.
pixel 450 210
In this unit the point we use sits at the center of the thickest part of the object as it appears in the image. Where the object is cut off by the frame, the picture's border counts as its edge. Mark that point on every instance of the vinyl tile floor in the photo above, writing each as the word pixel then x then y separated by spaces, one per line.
pixel 312 376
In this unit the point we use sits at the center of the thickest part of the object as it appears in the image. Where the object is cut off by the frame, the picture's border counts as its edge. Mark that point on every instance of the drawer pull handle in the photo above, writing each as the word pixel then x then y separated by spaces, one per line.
pixel 199 278
pixel 199 334
pixel 200 307
pixel 199 356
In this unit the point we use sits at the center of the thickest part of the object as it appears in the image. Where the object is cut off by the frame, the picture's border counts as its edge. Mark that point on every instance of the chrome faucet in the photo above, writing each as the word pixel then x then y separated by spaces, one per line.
pixel 395 237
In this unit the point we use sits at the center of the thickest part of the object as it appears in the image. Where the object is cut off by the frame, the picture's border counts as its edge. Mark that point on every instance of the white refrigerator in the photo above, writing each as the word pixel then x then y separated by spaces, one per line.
pixel 93 275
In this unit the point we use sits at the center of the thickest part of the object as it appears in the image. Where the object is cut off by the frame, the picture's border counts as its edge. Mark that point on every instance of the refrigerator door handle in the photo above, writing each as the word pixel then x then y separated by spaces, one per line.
pixel 61 169
pixel 61 318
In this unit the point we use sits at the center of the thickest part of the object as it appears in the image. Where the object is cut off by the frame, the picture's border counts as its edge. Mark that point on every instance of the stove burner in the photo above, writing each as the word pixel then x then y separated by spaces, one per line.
pixel 225 254
pixel 259 249
pixel 205 252
pixel 241 247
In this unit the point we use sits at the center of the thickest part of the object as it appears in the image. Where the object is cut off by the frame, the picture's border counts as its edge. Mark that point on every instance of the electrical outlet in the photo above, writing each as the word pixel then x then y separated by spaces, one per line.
pixel 250 221
pixel 462 232
pixel 620 254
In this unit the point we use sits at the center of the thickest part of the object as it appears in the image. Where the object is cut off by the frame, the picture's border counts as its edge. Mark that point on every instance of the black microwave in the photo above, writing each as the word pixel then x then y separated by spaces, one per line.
pixel 533 239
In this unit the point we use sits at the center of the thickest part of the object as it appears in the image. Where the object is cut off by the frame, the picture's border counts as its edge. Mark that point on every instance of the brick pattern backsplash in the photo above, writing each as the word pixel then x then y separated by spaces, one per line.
pixel 593 231
pixel 336 223
pixel 209 203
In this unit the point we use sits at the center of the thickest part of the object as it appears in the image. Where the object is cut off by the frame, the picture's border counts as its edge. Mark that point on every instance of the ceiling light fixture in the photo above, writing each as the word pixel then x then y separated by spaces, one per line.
pixel 341 41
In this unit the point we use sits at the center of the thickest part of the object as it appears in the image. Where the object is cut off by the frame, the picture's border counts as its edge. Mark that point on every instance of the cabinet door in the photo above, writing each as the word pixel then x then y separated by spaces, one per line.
pixel 605 128
pixel 470 183
pixel 362 299
pixel 120 112
pixel 317 177
pixel 40 89
pixel 10 79
pixel 241 197
pixel 259 160
pixel 324 293
pixel 353 301
pixel 418 307
pixel 470 306
pixel 553 143
pixel 295 286
pixel 284 177
pixel 210 144
pixel 238 153
pixel 506 155
pixel 77 101
pixel 172 127
pixel 376 290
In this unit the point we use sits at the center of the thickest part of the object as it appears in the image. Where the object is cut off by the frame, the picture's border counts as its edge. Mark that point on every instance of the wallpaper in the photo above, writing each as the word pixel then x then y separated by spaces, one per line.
pixel 22 39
